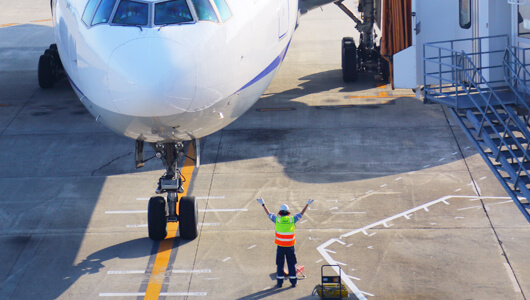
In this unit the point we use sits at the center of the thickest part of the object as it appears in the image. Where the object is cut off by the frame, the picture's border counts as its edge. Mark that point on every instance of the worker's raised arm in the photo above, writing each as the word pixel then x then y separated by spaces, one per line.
pixel 262 202
pixel 306 206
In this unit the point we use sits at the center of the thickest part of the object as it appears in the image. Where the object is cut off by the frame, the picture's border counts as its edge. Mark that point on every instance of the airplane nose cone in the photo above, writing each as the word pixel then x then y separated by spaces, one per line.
pixel 152 77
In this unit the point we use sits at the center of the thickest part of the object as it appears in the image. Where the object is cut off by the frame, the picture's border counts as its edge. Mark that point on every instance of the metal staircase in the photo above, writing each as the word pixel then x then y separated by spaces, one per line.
pixel 489 101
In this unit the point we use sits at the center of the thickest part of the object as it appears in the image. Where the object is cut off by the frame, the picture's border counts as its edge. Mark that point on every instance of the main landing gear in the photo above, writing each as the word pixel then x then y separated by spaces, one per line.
pixel 50 67
pixel 161 211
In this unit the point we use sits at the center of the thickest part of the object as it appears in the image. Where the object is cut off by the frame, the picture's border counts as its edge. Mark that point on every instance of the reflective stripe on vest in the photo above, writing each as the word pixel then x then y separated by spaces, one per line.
pixel 285 231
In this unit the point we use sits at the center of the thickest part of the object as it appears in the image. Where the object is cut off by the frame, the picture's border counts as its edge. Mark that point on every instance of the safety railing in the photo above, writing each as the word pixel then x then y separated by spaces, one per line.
pixel 516 74
pixel 443 68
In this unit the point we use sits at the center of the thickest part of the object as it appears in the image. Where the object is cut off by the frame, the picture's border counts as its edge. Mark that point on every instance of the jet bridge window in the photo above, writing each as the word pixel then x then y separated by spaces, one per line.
pixel 465 14
pixel 223 9
pixel 103 12
pixel 131 13
pixel 523 18
pixel 172 12
pixel 205 10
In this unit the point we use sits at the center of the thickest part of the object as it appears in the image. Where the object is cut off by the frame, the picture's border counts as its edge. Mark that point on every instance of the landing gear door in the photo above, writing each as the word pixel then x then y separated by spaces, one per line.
pixel 283 18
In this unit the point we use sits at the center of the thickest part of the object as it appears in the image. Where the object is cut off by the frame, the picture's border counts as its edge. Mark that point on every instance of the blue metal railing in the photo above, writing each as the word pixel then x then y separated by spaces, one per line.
pixel 442 67
pixel 516 73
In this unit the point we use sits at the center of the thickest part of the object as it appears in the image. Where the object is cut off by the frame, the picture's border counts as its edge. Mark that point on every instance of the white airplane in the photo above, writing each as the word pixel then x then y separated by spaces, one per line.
pixel 166 72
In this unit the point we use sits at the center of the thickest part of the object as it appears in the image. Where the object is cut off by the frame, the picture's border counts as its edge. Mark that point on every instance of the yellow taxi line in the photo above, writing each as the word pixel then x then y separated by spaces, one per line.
pixel 164 250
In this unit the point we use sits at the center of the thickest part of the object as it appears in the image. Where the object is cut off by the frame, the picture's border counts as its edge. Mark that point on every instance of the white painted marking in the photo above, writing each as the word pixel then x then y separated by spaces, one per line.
pixel 349 245
pixel 181 294
pixel 370 191
pixel 482 178
pixel 341 263
pixel 474 199
pixel 223 210
pixel 383 185
pixel 386 225
pixel 410 173
pixel 442 159
pixel 333 200
pixel 253 246
pixel 210 224
pixel 331 251
pixel 121 294
pixel 210 197
pixel 302 222
pixel 458 190
pixel 512 278
pixel 226 259
pixel 318 261
pixel 211 278
pixel 370 247
pixel 454 153
pixel 126 212
pixel 367 294
pixel 399 178
pixel 446 202
pixel 198 271
pixel 354 278
pixel 372 234
pixel 347 212
pixel 467 147
pixel 143 199
pixel 334 208
pixel 407 216
pixel 426 208
pixel 471 207
pixel 459 218
pixel 499 203
pixel 433 223
pixel 426 166
pixel 136 226
pixel 126 272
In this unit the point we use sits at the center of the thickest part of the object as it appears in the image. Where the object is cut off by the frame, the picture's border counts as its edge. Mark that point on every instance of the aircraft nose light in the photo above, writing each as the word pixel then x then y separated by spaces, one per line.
pixel 152 77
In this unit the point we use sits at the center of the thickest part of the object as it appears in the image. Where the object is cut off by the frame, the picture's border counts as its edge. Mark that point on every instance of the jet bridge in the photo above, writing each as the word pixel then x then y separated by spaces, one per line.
pixel 485 84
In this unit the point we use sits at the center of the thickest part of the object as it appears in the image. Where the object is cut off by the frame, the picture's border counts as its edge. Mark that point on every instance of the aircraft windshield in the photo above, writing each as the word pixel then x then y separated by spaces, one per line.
pixel 223 9
pixel 103 12
pixel 172 12
pixel 131 13
pixel 205 10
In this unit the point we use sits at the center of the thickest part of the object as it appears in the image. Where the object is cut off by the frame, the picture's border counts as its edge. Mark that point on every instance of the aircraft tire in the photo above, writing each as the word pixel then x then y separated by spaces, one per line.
pixel 349 60
pixel 188 218
pixel 156 218
pixel 45 72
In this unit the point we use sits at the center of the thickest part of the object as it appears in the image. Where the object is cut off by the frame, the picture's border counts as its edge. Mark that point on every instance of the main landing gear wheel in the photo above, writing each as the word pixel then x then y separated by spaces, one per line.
pixel 189 218
pixel 156 218
pixel 50 67
pixel 349 60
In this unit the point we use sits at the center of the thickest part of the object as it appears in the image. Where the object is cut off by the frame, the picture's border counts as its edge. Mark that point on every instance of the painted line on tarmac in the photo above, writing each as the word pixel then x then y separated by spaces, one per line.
pixel 145 225
pixel 165 294
pixel 118 212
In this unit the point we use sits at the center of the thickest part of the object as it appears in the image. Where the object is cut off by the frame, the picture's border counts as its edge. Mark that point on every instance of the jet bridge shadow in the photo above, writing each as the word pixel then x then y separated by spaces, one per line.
pixel 322 131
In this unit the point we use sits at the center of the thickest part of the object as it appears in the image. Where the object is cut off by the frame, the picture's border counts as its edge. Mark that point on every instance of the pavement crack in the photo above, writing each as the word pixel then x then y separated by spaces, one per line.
pixel 110 162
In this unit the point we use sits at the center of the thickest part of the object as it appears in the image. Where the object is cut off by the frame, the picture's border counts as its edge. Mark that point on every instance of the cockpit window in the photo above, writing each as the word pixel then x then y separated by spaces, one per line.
pixel 172 12
pixel 89 11
pixel 103 12
pixel 205 10
pixel 131 13
pixel 223 9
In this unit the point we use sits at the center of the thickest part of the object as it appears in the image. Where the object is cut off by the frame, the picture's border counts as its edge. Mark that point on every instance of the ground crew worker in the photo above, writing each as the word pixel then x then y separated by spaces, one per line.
pixel 285 240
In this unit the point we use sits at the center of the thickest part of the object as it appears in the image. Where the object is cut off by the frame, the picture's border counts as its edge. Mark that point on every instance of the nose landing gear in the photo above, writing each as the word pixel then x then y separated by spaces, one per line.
pixel 161 211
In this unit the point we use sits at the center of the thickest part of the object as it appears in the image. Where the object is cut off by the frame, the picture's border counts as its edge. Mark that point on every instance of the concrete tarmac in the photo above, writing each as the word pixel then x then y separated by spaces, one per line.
pixel 404 204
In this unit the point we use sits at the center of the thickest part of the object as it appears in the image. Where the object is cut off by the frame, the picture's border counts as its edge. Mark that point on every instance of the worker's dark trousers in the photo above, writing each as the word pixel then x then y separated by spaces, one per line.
pixel 281 254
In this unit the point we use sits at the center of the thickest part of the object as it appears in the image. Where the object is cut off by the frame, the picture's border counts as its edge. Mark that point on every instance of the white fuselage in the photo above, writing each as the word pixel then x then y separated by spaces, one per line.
pixel 174 82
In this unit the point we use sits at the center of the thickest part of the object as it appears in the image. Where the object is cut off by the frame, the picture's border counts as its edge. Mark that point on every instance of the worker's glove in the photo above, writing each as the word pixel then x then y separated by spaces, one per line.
pixel 260 201
pixel 310 201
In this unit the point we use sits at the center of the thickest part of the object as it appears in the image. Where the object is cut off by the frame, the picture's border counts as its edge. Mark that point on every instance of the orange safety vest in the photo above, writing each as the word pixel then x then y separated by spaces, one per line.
pixel 285 231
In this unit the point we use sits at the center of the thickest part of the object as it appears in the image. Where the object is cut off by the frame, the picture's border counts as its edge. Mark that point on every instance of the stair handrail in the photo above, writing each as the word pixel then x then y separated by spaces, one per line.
pixel 524 130
pixel 512 77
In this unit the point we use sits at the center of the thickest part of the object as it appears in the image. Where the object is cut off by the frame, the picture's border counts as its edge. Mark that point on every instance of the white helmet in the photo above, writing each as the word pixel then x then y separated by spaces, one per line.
pixel 284 207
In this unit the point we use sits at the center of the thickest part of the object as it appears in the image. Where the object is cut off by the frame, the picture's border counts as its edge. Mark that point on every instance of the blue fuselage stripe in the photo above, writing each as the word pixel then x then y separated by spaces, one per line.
pixel 275 63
